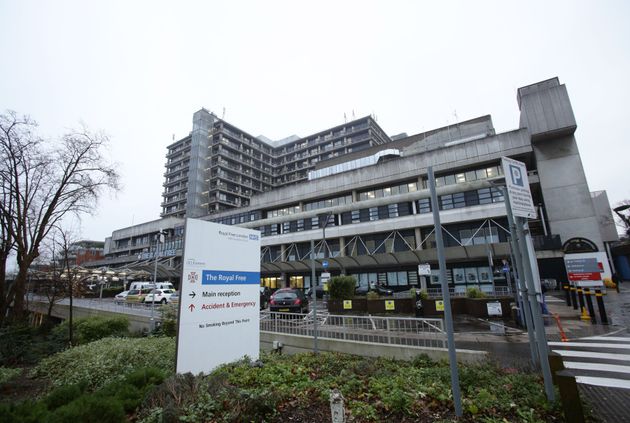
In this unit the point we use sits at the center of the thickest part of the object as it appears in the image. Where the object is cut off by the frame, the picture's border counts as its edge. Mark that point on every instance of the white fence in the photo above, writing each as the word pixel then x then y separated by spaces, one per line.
pixel 373 329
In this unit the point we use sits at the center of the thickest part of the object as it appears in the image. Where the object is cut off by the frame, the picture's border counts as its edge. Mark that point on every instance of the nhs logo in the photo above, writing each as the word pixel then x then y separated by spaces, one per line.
pixel 516 175
pixel 253 237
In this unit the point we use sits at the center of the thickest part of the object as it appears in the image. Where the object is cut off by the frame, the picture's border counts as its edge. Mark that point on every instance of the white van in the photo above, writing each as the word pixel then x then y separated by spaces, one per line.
pixel 150 285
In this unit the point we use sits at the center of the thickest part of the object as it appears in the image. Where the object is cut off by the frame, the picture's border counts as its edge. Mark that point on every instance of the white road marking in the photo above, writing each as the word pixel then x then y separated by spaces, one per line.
pixel 590 345
pixel 607 338
pixel 603 381
pixel 593 354
pixel 597 366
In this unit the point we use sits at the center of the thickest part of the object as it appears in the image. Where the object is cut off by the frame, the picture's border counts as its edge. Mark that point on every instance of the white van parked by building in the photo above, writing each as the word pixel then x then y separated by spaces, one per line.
pixel 151 285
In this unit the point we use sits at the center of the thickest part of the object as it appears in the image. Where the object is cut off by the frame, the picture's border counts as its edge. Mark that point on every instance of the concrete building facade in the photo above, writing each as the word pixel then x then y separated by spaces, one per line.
pixel 219 167
pixel 370 193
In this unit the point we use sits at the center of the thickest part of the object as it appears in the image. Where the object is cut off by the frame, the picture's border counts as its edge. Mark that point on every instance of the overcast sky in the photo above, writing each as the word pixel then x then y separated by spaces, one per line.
pixel 138 70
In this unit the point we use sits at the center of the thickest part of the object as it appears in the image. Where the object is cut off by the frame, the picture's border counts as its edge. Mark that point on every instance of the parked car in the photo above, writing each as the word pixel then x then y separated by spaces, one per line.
pixel 174 298
pixel 380 290
pixel 289 300
pixel 121 297
pixel 162 296
pixel 151 285
pixel 136 295
pixel 265 296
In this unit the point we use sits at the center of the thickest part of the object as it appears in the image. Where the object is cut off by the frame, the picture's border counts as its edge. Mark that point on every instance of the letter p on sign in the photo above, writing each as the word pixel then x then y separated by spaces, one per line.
pixel 516 175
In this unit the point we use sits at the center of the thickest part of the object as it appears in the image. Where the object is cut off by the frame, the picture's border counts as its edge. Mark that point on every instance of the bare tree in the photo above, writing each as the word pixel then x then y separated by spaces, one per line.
pixel 52 280
pixel 46 182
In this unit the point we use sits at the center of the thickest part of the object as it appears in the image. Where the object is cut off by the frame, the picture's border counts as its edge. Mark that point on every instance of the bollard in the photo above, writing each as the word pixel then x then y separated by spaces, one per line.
pixel 570 397
pixel 580 295
pixel 556 364
pixel 337 411
pixel 600 305
pixel 573 298
pixel 567 292
pixel 589 304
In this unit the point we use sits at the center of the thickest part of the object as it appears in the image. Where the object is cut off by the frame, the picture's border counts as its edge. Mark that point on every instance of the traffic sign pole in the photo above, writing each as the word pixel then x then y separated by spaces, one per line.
pixel 314 293
pixel 520 281
pixel 541 336
pixel 446 296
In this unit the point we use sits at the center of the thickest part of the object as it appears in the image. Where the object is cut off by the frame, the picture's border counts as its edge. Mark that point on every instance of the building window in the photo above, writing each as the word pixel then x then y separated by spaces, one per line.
pixel 424 205
pixel 446 202
pixel 356 216
pixel 373 213
pixel 392 210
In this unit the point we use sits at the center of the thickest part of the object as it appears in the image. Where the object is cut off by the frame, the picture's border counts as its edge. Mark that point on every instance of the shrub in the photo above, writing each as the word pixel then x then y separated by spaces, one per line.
pixel 474 292
pixel 24 412
pixel 92 328
pixel 169 320
pixel 423 294
pixel 342 287
pixel 90 408
pixel 297 388
pixel 107 360
pixel 6 374
pixel 131 391
pixel 63 395
pixel 16 345
pixel 373 295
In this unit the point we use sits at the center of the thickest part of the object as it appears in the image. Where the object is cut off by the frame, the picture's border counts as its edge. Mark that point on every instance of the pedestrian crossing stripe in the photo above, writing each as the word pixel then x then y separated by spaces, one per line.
pixel 593 354
pixel 603 381
pixel 607 338
pixel 591 345
pixel 614 368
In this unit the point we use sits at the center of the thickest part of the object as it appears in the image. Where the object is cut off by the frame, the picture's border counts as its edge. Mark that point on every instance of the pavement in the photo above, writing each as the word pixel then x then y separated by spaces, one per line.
pixel 599 354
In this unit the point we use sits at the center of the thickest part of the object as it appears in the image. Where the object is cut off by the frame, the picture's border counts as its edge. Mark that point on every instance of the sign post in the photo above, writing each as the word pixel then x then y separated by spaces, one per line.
pixel 219 318
pixel 522 208
pixel 446 296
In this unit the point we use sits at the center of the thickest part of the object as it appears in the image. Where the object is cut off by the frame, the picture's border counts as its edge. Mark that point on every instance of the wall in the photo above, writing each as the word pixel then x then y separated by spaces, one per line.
pixel 293 344
pixel 547 114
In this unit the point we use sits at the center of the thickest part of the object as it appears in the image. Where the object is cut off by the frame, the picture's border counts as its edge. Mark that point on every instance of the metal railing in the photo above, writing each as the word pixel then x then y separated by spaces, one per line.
pixel 499 291
pixel 414 332
pixel 138 309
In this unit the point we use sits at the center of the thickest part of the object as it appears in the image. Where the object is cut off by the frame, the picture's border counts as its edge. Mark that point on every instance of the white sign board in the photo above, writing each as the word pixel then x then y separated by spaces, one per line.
pixel 517 185
pixel 494 309
pixel 219 318
pixel 424 269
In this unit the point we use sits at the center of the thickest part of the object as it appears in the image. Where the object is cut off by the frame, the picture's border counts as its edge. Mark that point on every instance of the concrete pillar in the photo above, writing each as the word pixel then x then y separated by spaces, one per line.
pixel 355 196
pixel 283 248
pixel 342 246
pixel 418 236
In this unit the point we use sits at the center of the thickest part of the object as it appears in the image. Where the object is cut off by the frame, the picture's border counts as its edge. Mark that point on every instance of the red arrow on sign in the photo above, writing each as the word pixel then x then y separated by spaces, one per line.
pixel 191 307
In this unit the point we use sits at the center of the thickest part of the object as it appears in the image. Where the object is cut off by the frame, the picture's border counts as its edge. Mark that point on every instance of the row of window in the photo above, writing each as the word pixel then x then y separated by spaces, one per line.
pixel 329 202
pixel 460 278
pixel 462 199
pixel 239 218
pixel 387 191
pixel 469 176
pixel 447 202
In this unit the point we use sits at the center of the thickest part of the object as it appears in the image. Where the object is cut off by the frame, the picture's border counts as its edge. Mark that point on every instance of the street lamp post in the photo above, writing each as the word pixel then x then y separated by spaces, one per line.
pixel 159 237
pixel 324 218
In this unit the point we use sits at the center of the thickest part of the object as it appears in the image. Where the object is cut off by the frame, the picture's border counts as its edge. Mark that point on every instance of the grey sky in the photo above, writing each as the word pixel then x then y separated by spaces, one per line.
pixel 139 70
